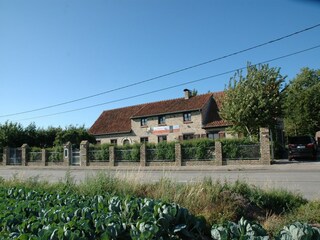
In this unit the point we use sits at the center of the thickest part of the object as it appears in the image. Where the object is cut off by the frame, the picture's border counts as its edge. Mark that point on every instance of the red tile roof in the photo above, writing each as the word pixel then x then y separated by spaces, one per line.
pixel 114 121
pixel 216 119
pixel 119 120
pixel 173 106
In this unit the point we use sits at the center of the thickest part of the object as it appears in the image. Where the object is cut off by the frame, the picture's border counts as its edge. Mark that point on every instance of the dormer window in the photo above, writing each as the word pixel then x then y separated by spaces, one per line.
pixel 143 122
pixel 161 120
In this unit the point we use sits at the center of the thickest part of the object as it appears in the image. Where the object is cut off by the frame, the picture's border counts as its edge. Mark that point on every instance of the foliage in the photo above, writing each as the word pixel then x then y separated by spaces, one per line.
pixel 37 214
pixel 99 152
pixel 299 231
pixel 253 231
pixel 254 100
pixel 302 103
pixel 197 149
pixel 14 135
pixel 55 154
pixel 236 148
pixel 243 230
pixel 35 154
pixel 128 152
pixel 163 151
pixel 74 135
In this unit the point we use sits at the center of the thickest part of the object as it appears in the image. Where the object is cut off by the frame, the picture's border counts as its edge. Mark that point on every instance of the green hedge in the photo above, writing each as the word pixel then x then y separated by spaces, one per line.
pixel 232 148
pixel 163 151
pixel 128 152
pixel 198 149
pixel 99 152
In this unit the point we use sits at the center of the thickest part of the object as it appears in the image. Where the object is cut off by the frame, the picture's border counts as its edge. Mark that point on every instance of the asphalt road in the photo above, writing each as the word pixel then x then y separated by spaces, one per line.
pixel 301 177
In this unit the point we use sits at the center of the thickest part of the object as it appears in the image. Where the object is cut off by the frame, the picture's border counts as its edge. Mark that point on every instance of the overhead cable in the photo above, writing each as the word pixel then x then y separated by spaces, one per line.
pixel 164 75
pixel 170 87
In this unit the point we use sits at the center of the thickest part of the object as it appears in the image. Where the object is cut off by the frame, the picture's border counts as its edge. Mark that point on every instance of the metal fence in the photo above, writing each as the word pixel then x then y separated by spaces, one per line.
pixel 132 155
pixel 34 156
pixel 244 152
pixel 98 155
pixel 54 156
pixel 153 155
pixel 198 154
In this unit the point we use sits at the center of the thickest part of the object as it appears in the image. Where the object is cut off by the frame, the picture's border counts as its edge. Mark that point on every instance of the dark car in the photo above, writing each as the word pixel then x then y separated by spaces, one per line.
pixel 302 147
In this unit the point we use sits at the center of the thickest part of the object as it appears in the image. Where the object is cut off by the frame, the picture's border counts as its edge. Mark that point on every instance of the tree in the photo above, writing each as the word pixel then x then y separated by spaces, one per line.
pixel 73 134
pixel 11 134
pixel 254 100
pixel 302 103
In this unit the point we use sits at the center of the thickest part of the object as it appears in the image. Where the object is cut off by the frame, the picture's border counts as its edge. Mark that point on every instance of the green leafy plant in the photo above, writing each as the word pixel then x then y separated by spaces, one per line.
pixel 198 149
pixel 242 230
pixel 299 231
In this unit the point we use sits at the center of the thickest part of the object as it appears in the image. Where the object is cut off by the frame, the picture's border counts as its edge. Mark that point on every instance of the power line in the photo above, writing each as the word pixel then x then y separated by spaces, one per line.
pixel 164 75
pixel 174 86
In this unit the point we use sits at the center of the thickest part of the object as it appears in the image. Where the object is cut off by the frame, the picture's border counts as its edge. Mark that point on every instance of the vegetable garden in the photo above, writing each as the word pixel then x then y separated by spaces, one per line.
pixel 100 209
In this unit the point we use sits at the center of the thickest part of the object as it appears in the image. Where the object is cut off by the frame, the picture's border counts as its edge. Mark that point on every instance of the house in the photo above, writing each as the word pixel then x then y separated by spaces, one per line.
pixel 170 120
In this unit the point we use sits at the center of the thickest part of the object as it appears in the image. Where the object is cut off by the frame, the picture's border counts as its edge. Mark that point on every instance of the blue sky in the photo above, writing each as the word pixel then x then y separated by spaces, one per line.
pixel 56 51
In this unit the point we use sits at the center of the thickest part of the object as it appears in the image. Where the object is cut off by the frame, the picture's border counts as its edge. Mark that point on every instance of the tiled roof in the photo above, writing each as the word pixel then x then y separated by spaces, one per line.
pixel 119 120
pixel 216 119
pixel 114 121
pixel 173 106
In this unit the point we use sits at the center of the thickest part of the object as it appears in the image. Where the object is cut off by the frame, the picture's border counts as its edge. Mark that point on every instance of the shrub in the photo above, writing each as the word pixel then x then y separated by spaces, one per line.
pixel 55 154
pixel 232 148
pixel 128 152
pixel 99 152
pixel 163 150
pixel 197 149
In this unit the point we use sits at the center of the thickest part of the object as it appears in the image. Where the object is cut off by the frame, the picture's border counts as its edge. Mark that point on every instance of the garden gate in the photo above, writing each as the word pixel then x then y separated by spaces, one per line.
pixel 15 156
pixel 75 157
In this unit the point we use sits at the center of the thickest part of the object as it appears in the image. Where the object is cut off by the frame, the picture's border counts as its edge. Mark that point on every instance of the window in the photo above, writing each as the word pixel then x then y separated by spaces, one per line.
pixel 187 117
pixel 162 120
pixel 188 136
pixel 162 138
pixel 213 135
pixel 126 142
pixel 144 139
pixel 143 122
pixel 113 141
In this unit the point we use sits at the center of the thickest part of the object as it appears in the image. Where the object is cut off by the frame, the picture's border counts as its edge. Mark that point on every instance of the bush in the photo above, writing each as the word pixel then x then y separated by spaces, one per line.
pixel 99 152
pixel 197 149
pixel 55 154
pixel 231 148
pixel 128 152
pixel 163 150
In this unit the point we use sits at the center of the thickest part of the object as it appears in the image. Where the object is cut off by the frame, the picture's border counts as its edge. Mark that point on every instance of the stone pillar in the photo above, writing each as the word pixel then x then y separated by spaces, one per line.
pixel 24 154
pixel 143 155
pixel 178 154
pixel 2 161
pixel 67 151
pixel 6 156
pixel 218 153
pixel 84 157
pixel 43 157
pixel 265 157
pixel 111 156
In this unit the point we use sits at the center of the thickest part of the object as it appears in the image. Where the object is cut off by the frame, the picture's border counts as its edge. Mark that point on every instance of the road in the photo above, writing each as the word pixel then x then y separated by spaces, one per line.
pixel 300 177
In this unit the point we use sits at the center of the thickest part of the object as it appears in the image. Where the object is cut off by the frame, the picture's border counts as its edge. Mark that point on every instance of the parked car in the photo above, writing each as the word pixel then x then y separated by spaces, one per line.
pixel 302 147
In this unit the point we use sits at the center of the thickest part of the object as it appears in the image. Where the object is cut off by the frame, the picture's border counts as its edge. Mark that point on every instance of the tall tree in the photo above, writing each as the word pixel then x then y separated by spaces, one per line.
pixel 254 100
pixel 302 103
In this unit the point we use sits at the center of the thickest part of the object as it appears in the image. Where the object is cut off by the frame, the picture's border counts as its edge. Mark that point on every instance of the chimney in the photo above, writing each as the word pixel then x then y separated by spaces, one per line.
pixel 187 93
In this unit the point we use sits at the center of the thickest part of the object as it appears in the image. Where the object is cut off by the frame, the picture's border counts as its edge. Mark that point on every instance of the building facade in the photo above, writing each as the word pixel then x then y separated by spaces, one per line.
pixel 178 119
